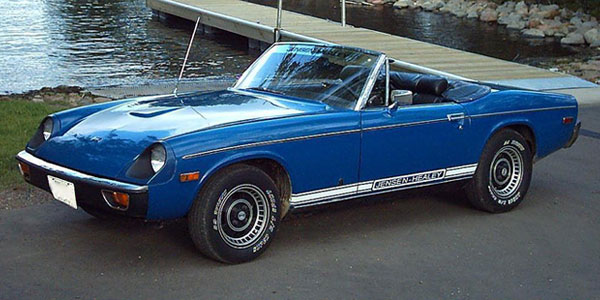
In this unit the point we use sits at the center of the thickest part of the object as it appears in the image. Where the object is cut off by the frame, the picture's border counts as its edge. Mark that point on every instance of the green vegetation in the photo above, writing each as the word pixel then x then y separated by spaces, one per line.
pixel 18 122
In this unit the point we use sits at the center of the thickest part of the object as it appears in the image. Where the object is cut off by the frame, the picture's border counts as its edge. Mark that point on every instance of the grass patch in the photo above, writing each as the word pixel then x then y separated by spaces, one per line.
pixel 18 122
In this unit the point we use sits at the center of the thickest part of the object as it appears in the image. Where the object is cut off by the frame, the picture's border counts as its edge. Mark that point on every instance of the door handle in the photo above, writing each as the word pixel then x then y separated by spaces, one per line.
pixel 455 117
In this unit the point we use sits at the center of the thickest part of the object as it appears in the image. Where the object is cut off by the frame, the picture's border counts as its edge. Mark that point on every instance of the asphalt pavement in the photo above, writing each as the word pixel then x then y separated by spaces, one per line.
pixel 424 244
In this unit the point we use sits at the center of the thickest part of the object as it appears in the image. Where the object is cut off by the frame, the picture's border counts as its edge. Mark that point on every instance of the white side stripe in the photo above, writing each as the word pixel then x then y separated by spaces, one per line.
pixel 408 180
pixel 461 171
pixel 320 194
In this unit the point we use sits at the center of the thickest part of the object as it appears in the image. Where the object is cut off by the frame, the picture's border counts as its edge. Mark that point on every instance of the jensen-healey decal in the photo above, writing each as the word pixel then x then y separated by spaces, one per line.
pixel 409 179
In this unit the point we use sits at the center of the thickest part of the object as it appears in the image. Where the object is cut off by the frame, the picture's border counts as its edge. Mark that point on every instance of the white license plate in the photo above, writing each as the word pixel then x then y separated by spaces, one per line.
pixel 63 191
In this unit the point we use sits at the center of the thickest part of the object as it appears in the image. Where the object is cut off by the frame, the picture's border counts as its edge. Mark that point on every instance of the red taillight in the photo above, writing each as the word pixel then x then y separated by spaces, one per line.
pixel 568 120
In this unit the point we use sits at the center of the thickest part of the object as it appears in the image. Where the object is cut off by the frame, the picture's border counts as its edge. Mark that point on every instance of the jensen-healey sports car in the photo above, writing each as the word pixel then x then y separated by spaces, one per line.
pixel 305 124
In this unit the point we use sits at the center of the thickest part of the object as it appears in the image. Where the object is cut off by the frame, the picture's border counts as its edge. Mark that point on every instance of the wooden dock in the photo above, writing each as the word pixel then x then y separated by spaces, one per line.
pixel 257 22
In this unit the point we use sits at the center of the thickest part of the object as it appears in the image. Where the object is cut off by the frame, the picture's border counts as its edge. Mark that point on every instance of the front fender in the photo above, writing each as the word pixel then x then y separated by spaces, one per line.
pixel 181 195
pixel 240 157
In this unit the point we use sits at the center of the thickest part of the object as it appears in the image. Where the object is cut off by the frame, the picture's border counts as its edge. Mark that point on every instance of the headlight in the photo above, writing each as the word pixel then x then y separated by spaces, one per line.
pixel 47 128
pixel 158 155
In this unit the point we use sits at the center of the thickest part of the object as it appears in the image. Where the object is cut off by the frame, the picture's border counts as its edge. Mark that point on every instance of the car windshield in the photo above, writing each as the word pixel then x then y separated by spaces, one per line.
pixel 334 75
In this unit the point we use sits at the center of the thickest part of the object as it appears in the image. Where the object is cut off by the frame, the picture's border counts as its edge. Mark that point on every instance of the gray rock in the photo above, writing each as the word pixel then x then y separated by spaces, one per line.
pixel 459 14
pixel 101 99
pixel 473 15
pixel 573 38
pixel 55 98
pixel 512 18
pixel 433 5
pixel 576 21
pixel 521 8
pixel 534 33
pixel 550 7
pixel 37 98
pixel 559 34
pixel 516 25
pixel 592 37
pixel 85 101
pixel 586 26
pixel 402 4
pixel 565 13
pixel 590 24
pixel 506 7
pixel 488 15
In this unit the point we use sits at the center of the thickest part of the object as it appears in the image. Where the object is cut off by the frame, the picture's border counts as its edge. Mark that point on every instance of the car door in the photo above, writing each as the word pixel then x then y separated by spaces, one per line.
pixel 414 145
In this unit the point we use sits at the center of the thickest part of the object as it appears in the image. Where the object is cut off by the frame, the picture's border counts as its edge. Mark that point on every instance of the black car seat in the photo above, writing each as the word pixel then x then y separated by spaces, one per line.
pixel 426 88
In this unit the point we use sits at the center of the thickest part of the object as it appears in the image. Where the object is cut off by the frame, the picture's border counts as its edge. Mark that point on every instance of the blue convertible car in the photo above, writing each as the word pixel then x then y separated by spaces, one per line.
pixel 306 124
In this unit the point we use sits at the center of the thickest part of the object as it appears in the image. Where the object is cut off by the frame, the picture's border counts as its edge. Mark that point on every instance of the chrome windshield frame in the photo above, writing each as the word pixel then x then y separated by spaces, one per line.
pixel 367 87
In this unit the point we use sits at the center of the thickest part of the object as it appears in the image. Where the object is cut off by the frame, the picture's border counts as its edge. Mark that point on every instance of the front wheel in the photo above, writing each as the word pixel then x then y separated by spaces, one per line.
pixel 503 174
pixel 236 214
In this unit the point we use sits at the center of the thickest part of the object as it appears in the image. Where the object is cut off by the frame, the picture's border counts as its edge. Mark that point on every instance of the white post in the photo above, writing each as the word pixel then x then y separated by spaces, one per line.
pixel 343 13
pixel 276 33
pixel 279 14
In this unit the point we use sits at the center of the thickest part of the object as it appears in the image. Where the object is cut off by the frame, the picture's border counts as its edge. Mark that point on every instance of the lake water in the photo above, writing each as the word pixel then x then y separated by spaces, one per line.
pixel 107 42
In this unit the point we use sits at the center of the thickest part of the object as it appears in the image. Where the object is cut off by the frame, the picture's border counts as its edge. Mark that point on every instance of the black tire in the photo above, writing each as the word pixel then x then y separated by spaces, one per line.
pixel 503 174
pixel 225 219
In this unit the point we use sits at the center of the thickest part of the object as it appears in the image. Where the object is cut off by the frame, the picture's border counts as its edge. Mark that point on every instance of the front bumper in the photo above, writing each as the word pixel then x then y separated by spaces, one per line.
pixel 574 135
pixel 88 188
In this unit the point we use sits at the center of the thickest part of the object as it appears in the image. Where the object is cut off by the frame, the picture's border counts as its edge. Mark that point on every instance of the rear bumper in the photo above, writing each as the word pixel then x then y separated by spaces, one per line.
pixel 574 135
pixel 88 188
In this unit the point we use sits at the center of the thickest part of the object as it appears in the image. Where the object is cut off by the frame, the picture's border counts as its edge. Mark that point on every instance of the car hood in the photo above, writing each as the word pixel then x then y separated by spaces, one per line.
pixel 107 142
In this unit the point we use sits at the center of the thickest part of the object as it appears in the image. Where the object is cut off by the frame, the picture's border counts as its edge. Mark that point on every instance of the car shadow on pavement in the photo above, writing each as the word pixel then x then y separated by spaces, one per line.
pixel 78 237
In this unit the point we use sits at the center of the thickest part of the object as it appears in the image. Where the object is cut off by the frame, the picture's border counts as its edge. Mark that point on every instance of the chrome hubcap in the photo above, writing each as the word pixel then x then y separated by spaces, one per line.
pixel 506 172
pixel 242 216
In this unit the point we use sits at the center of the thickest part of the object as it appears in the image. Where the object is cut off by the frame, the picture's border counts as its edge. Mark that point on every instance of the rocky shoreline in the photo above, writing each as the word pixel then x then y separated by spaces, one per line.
pixel 533 20
pixel 67 95
pixel 551 23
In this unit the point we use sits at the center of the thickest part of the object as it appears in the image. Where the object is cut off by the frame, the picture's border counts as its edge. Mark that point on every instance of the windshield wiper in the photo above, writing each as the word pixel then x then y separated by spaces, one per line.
pixel 263 89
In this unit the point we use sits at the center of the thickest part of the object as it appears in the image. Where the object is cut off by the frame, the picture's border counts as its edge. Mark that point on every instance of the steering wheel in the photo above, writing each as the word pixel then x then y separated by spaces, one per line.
pixel 348 90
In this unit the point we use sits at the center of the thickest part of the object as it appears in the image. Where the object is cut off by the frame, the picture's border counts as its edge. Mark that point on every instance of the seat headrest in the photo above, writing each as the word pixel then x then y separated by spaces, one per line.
pixel 351 70
pixel 419 83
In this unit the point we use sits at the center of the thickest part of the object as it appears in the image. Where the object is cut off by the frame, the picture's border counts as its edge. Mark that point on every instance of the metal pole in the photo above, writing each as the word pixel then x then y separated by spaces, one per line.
pixel 187 53
pixel 343 13
pixel 277 31
pixel 279 4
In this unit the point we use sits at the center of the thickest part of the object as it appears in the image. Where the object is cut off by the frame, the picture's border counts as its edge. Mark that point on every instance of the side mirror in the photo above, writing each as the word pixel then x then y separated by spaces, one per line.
pixel 401 98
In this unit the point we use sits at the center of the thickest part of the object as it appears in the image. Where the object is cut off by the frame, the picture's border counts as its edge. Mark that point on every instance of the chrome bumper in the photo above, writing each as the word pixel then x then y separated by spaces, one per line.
pixel 574 135
pixel 29 159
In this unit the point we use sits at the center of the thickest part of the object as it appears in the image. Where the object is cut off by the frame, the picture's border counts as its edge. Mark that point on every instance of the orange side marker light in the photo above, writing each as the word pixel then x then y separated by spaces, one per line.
pixel 192 176
pixel 24 168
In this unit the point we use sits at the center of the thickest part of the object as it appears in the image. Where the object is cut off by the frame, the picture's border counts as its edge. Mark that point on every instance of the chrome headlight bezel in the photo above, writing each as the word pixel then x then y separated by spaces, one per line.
pixel 47 128
pixel 158 157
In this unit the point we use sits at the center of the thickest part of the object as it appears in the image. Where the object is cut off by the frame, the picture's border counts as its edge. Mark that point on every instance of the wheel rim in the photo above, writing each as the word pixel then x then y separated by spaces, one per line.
pixel 506 172
pixel 242 216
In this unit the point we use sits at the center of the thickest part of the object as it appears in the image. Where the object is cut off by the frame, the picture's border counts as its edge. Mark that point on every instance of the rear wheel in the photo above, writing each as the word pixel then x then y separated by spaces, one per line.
pixel 236 214
pixel 503 174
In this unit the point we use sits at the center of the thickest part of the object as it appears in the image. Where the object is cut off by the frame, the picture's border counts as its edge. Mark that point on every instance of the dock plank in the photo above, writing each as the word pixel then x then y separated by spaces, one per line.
pixel 257 22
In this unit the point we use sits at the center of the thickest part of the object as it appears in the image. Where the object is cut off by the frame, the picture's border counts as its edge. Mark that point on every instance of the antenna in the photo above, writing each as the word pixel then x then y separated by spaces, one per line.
pixel 187 53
